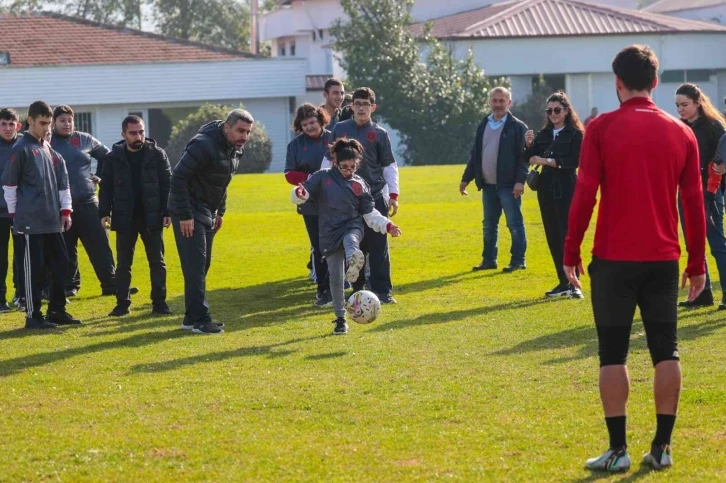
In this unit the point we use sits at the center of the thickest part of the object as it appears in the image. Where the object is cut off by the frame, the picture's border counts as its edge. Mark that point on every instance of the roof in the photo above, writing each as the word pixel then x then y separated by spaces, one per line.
pixel 546 18
pixel 75 41
pixel 676 5
pixel 316 82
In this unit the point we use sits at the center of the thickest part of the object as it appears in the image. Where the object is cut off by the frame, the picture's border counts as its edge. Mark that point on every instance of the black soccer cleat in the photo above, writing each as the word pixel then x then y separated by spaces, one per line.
pixel 61 318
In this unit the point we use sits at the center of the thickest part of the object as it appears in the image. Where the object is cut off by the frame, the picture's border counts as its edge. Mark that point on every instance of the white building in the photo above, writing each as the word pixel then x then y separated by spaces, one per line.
pixel 570 42
pixel 105 73
pixel 708 10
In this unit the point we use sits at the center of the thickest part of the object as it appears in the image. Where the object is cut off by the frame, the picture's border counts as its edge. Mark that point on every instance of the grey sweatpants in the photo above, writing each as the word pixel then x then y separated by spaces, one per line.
pixel 336 270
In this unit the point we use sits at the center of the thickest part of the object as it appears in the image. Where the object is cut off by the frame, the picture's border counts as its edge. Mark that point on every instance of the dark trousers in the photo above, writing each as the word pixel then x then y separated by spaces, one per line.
pixel 41 251
pixel 375 245
pixel 555 196
pixel 195 255
pixel 19 265
pixel 320 266
pixel 126 246
pixel 497 199
pixel 86 227
pixel 5 228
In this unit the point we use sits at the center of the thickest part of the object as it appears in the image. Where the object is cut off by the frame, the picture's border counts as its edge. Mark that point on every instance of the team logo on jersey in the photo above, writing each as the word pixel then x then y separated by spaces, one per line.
pixel 12 158
pixel 75 142
pixel 56 160
pixel 371 135
pixel 356 187
pixel 328 181
pixel 35 152
pixel 305 148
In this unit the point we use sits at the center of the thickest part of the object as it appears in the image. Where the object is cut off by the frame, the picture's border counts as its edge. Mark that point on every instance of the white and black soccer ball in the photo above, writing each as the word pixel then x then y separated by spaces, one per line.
pixel 363 307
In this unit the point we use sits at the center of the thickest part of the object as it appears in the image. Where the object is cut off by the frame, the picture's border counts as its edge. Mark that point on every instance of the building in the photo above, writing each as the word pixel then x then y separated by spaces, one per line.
pixel 106 72
pixel 707 10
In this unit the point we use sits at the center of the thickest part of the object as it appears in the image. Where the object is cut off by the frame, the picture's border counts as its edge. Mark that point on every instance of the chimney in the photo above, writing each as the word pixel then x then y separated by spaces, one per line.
pixel 254 27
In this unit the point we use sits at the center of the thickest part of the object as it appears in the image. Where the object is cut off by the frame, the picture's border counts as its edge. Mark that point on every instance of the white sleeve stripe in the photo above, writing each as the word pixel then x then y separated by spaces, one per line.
pixel 390 174
pixel 10 194
pixel 65 199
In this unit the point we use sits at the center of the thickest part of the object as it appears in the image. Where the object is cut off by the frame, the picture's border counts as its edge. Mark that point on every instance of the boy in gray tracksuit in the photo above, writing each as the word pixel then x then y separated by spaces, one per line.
pixel 35 185
pixel 343 201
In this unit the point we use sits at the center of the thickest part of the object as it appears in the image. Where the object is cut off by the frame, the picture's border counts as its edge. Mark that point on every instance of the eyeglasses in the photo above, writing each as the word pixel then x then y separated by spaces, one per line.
pixel 350 168
pixel 362 104
pixel 556 110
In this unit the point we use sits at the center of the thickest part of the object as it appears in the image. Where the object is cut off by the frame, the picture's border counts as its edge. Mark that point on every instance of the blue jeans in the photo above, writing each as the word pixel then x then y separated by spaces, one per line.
pixel 497 199
pixel 716 241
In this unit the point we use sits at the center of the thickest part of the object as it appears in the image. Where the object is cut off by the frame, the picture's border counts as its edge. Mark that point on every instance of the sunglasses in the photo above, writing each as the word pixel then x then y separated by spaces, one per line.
pixel 556 110
pixel 348 168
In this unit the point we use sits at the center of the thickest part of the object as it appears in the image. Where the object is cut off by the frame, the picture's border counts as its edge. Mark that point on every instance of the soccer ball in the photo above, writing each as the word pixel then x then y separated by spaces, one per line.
pixel 363 307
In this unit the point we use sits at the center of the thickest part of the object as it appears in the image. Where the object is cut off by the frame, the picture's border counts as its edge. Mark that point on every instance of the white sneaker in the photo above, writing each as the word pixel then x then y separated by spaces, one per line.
pixel 665 461
pixel 613 461
pixel 355 264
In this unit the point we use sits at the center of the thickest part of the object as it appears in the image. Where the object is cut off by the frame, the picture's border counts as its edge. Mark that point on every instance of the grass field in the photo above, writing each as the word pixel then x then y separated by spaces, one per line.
pixel 471 377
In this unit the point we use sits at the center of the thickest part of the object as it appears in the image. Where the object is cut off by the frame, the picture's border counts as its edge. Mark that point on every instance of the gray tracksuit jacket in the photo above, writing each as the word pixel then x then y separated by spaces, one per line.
pixel 5 148
pixel 78 151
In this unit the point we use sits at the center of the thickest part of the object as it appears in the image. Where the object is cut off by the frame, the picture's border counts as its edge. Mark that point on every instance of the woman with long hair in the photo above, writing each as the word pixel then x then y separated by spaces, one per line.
pixel 709 126
pixel 305 153
pixel 343 203
pixel 556 148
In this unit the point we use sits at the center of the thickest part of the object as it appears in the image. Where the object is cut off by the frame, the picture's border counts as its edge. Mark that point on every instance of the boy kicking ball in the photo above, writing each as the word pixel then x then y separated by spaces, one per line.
pixel 344 203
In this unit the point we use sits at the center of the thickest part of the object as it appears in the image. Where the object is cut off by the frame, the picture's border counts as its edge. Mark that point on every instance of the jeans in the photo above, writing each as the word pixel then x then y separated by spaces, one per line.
pixel 497 199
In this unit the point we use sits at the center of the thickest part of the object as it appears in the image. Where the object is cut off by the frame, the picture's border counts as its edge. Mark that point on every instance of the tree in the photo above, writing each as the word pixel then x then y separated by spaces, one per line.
pixel 437 105
pixel 126 13
pixel 258 150
pixel 532 110
pixel 225 23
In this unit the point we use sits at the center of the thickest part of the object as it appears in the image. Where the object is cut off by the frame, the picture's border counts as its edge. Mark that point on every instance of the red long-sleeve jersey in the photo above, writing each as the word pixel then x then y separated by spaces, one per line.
pixel 639 157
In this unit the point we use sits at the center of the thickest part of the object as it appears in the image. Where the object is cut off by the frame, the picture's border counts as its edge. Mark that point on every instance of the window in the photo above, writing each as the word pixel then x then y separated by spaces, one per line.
pixel 314 39
pixel 281 49
pixel 673 76
pixel 698 75
pixel 292 49
pixel 83 122
pixel 680 76
pixel 320 34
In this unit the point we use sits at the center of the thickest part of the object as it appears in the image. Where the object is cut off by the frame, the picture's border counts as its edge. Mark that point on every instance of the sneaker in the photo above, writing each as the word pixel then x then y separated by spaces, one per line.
pixel 61 318
pixel 186 325
pixel 513 268
pixel 613 461
pixel 161 309
pixel 208 327
pixel 705 299
pixel 387 299
pixel 5 308
pixel 341 327
pixel 325 300
pixel 33 323
pixel 355 263
pixel 576 293
pixel 561 290
pixel 658 463
pixel 21 305
pixel 72 292
pixel 484 266
pixel 119 311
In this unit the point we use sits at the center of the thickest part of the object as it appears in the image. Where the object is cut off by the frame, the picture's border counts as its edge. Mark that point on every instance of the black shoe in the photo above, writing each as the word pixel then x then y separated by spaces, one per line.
pixel 357 287
pixel 513 268
pixel 161 309
pixel 705 299
pixel 5 308
pixel 561 290
pixel 44 295
pixel 722 306
pixel 119 311
pixel 72 292
pixel 61 318
pixel 186 325
pixel 325 300
pixel 33 323
pixel 341 327
pixel 133 290
pixel 21 305
pixel 387 299
pixel 208 327
pixel 485 266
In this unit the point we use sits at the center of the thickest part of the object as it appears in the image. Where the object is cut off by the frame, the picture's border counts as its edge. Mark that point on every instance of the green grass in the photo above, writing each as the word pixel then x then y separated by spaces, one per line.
pixel 472 377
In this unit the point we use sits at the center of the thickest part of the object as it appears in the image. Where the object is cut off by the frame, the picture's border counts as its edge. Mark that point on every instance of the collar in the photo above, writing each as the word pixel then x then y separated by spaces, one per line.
pixel 8 143
pixel 498 123
pixel 360 126
pixel 639 102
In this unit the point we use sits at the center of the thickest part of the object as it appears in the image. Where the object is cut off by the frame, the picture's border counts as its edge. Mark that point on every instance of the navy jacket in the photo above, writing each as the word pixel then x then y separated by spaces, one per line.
pixel 78 150
pixel 511 166
pixel 377 152
pixel 5 148
pixel 39 173
pixel 306 154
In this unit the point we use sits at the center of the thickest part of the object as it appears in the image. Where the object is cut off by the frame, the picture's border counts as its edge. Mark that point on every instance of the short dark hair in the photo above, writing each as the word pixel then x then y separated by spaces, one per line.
pixel 637 67
pixel 332 82
pixel 8 114
pixel 236 115
pixel 39 109
pixel 64 109
pixel 309 110
pixel 365 93
pixel 132 119
pixel 345 150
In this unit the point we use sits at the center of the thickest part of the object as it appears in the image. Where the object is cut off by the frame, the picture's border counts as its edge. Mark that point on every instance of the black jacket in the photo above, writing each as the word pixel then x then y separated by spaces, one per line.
pixel 708 134
pixel 565 150
pixel 511 166
pixel 5 148
pixel 199 182
pixel 117 191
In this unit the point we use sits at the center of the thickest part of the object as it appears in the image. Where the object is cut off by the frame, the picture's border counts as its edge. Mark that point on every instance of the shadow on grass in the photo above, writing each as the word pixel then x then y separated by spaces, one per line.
pixel 446 280
pixel 642 472
pixel 330 355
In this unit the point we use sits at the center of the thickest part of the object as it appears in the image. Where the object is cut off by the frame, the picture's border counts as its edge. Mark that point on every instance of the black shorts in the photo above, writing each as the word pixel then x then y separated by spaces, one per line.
pixel 617 289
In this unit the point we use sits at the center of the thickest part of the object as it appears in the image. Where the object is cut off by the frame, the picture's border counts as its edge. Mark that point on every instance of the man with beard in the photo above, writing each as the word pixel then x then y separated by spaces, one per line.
pixel 197 203
pixel 78 150
pixel 134 191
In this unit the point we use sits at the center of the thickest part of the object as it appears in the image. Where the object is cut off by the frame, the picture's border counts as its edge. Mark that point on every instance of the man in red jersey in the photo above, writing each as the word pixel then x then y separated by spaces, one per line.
pixel 639 157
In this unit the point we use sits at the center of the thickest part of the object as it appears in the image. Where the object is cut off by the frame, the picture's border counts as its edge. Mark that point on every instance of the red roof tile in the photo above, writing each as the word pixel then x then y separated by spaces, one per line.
pixel 545 18
pixel 73 41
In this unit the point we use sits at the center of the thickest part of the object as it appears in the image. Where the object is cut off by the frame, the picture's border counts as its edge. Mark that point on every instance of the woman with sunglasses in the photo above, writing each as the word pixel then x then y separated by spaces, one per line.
pixel 695 109
pixel 557 149
pixel 343 203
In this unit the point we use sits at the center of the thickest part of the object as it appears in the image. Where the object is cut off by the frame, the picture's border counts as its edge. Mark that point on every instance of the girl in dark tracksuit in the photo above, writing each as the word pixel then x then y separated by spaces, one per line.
pixel 696 110
pixel 344 205
pixel 304 155
pixel 557 149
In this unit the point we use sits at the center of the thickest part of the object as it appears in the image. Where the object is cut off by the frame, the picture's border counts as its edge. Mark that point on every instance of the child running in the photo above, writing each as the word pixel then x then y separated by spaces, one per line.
pixel 343 201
